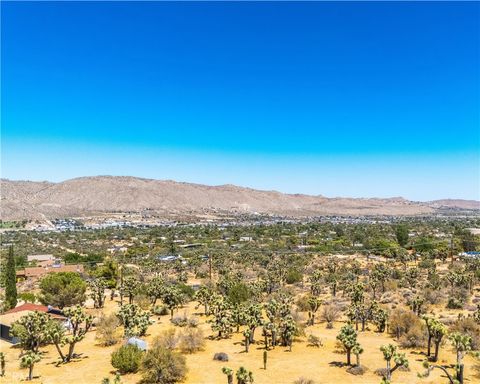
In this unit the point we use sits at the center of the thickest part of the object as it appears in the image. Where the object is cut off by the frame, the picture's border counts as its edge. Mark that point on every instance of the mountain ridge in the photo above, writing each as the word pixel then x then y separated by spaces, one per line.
pixel 88 195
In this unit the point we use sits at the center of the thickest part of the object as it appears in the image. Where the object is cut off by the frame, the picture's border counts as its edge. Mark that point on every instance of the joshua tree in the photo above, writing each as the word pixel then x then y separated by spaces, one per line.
pixel 288 327
pixel 204 297
pixel 97 287
pixel 265 358
pixel 222 318
pixel 380 274
pixel 357 350
pixel 229 372
pixel 316 283
pixel 28 360
pixel 2 364
pixel 134 320
pixel 253 319
pixel 462 344
pixel 244 376
pixel 155 289
pixel 129 287
pixel 31 330
pixel 314 304
pixel 438 332
pixel 380 317
pixel 246 334
pixel 239 316
pixel 333 275
pixel 80 324
pixel 172 297
pixel 417 305
pixel 429 322
pixel 390 352
pixel 348 337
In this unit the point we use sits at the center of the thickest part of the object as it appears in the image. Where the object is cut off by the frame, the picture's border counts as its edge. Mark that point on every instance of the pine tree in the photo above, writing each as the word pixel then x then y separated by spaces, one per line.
pixel 10 281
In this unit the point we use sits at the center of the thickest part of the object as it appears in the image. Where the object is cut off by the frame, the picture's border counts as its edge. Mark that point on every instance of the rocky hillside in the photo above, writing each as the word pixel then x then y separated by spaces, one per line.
pixel 91 195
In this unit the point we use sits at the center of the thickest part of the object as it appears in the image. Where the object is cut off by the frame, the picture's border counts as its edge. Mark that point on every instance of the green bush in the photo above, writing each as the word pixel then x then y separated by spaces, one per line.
pixel 238 293
pixel 293 276
pixel 28 297
pixel 160 310
pixel 454 303
pixel 127 359
pixel 186 290
pixel 163 366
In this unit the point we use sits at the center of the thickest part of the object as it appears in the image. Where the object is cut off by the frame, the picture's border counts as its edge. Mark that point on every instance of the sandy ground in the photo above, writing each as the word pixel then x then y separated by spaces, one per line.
pixel 321 364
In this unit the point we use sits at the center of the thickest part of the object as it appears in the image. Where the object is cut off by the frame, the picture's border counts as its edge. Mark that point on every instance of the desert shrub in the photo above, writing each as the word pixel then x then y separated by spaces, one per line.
pixel 330 313
pixel 426 263
pixel 108 332
pixel 163 366
pixel 401 321
pixel 415 337
pixel 293 276
pixel 457 299
pixel 127 359
pixel 191 340
pixel 357 370
pixel 433 296
pixel 302 303
pixel 220 356
pixel 192 322
pixel 143 301
pixel 167 339
pixel 299 320
pixel 395 274
pixel 468 326
pixel 160 310
pixel 28 297
pixel 187 291
pixel 238 293
pixel 454 303
pixel 381 372
pixel 180 320
pixel 314 341
pixel 303 380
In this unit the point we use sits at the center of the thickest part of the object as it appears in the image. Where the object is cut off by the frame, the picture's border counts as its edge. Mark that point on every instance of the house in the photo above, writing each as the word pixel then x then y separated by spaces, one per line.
pixel 168 258
pixel 40 258
pixel 38 272
pixel 246 238
pixel 14 314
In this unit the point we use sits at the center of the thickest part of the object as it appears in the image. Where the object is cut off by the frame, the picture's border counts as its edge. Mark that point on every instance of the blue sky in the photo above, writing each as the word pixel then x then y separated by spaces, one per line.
pixel 339 99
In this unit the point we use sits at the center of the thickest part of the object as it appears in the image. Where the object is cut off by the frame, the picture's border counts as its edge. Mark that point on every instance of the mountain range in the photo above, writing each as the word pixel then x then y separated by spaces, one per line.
pixel 86 196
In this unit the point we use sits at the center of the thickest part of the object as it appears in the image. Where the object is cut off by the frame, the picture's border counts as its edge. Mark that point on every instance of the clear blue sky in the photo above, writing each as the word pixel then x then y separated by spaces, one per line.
pixel 339 99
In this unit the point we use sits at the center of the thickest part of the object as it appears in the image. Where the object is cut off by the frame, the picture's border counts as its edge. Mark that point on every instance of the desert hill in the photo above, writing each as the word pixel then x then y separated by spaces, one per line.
pixel 90 195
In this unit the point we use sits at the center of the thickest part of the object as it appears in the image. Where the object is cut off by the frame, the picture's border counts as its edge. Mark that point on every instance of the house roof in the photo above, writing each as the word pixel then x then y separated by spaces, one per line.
pixel 16 313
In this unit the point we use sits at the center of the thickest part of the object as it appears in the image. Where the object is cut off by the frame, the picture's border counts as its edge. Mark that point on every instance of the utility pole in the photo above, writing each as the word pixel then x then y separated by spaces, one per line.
pixel 451 249
pixel 210 266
